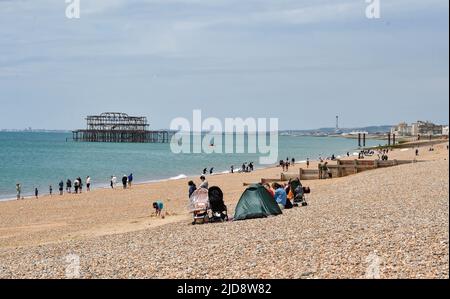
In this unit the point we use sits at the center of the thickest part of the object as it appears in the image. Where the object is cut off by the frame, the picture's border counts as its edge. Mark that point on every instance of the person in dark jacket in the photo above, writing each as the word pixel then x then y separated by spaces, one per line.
pixel 192 188
pixel 124 181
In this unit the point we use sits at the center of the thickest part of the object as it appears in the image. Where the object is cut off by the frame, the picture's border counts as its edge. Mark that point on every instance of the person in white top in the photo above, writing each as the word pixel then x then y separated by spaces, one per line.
pixel 88 183
pixel 204 183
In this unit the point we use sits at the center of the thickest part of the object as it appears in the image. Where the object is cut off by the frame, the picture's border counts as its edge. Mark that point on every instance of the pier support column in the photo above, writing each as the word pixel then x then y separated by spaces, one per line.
pixel 359 139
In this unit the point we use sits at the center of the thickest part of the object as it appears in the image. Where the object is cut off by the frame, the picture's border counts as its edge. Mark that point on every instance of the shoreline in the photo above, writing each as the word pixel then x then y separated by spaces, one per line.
pixel 398 212
pixel 153 181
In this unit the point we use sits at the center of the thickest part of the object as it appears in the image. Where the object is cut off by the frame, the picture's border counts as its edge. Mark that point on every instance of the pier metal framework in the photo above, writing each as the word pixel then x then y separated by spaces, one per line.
pixel 119 127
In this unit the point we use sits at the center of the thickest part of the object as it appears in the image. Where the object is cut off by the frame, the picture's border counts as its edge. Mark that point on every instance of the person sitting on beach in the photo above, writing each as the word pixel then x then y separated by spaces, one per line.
pixel 192 188
pixel 269 189
pixel 159 206
pixel 124 181
pixel 204 183
pixel 130 180
pixel 61 187
pixel 280 195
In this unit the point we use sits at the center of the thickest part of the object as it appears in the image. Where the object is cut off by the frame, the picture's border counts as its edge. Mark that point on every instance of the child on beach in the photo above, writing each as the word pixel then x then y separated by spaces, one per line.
pixel 159 206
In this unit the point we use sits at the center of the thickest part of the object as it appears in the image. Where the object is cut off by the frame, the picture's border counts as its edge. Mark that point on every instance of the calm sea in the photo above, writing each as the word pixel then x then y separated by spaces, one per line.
pixel 43 159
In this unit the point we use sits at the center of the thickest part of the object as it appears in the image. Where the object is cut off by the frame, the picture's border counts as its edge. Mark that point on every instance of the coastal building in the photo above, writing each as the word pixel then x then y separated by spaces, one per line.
pixel 417 128
pixel 402 129
pixel 445 130
pixel 425 128
pixel 119 127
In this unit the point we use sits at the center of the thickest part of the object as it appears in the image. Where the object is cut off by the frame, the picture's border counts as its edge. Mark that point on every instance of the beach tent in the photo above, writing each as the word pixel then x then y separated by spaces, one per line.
pixel 256 202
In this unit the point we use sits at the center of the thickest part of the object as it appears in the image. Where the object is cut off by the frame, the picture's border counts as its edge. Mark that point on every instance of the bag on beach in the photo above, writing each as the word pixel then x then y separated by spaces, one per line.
pixel 306 190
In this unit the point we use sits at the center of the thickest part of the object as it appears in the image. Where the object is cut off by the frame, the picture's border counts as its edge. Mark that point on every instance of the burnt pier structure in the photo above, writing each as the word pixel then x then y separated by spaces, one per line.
pixel 119 127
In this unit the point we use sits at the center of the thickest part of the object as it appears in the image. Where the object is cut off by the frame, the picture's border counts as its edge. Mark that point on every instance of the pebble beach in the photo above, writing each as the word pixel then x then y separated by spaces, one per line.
pixel 383 223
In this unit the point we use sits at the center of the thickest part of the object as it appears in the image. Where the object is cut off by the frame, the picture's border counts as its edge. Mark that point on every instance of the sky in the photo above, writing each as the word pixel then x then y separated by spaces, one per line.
pixel 303 62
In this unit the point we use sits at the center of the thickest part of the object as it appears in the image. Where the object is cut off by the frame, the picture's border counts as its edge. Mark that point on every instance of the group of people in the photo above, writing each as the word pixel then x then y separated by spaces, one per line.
pixel 77 186
pixel 127 180
pixel 284 194
pixel 285 164
pixel 193 187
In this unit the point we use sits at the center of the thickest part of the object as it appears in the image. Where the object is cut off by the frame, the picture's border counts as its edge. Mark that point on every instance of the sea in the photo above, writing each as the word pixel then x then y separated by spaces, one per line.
pixel 40 160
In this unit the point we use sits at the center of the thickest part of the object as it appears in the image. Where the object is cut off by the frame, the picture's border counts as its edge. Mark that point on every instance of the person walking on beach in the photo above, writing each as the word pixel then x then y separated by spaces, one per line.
pixel 192 188
pixel 204 183
pixel 50 190
pixel 211 170
pixel 307 162
pixel 88 183
pixel 36 192
pixel 232 169
pixel 130 180
pixel 417 151
pixel 69 186
pixel 250 165
pixel 61 187
pixel 18 190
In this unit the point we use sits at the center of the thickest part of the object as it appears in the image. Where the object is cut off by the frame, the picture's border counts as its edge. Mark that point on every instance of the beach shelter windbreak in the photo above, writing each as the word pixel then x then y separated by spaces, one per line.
pixel 256 202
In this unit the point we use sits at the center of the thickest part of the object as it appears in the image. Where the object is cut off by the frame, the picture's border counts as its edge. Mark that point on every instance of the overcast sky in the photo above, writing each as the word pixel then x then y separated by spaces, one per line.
pixel 301 61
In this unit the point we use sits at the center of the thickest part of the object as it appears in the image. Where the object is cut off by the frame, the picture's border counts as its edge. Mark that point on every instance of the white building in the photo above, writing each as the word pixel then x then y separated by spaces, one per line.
pixel 445 130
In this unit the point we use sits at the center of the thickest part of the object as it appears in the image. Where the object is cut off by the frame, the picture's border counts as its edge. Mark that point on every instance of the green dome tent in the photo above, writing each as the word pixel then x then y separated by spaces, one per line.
pixel 256 202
